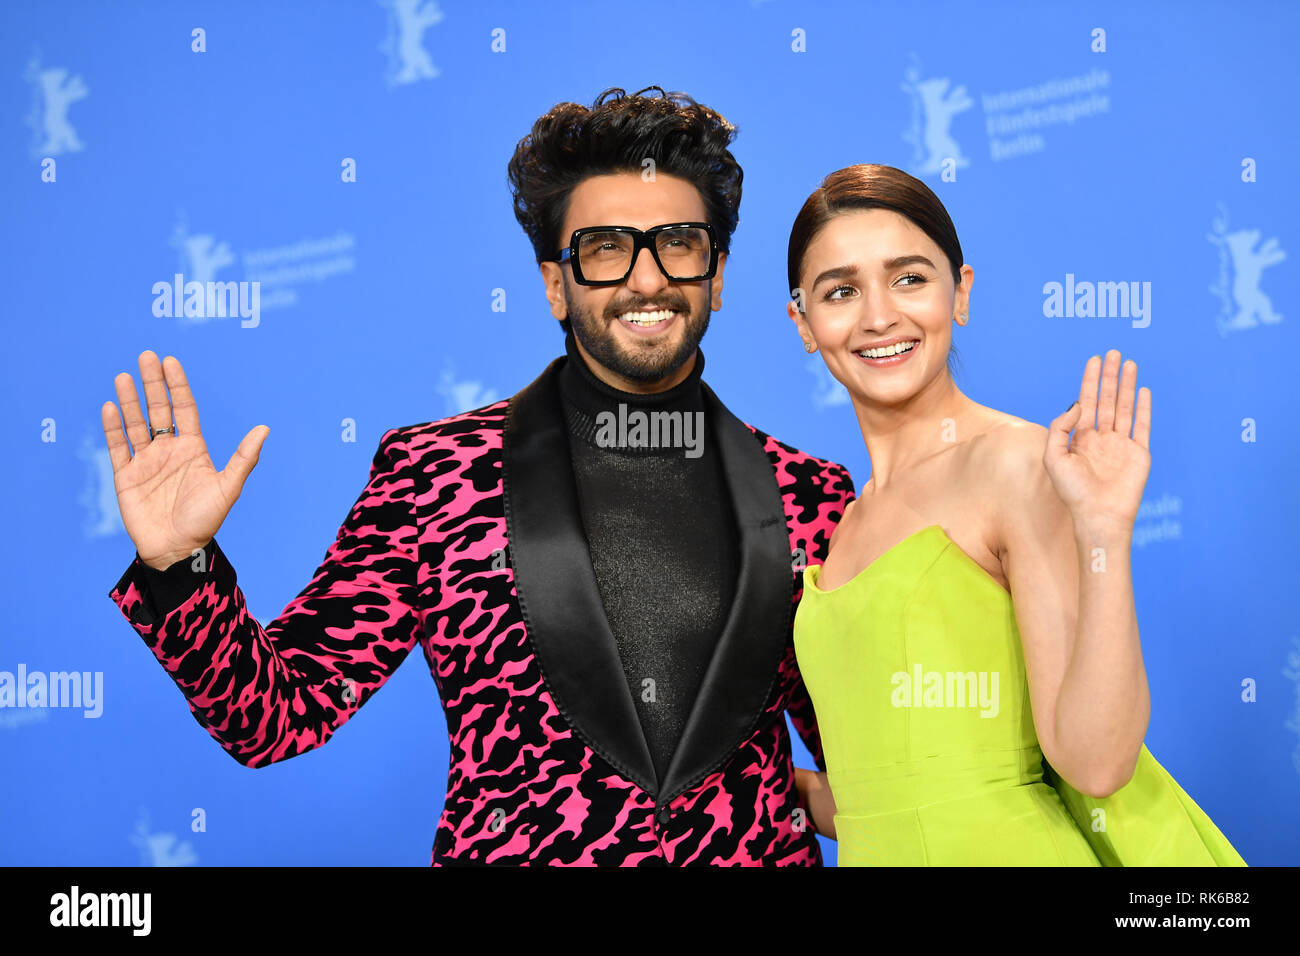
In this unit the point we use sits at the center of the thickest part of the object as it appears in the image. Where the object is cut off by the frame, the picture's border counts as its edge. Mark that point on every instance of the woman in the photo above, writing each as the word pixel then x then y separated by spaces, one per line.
pixel 970 643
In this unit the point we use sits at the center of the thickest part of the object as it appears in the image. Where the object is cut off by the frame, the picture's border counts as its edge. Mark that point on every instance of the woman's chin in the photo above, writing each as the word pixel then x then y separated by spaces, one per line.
pixel 887 397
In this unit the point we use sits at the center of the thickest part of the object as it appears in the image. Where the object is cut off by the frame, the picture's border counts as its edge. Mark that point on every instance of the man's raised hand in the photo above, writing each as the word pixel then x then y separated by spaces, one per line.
pixel 171 498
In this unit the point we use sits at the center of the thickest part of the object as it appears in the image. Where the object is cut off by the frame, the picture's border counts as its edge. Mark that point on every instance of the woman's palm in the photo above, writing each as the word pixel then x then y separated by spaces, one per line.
pixel 1103 471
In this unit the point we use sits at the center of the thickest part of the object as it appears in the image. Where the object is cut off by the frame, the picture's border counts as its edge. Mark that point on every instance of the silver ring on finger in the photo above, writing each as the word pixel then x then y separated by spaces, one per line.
pixel 168 430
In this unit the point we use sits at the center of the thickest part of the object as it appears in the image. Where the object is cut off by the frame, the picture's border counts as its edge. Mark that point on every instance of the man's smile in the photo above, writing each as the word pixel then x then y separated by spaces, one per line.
pixel 648 323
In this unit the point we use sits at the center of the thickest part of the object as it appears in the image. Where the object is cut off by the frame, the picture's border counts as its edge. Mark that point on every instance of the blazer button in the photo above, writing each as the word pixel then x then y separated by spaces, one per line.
pixel 664 815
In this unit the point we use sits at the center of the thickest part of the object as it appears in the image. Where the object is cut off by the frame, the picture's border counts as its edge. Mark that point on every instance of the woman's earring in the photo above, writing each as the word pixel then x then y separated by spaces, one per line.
pixel 808 346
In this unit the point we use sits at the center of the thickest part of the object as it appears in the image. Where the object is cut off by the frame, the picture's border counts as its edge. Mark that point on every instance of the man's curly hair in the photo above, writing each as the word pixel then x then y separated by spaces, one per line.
pixel 572 142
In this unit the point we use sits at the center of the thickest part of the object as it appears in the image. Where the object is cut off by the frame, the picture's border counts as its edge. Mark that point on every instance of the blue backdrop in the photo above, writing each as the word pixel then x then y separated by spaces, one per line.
pixel 346 155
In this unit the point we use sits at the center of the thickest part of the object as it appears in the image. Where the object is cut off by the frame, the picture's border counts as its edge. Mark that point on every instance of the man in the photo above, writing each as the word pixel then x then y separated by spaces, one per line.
pixel 602 570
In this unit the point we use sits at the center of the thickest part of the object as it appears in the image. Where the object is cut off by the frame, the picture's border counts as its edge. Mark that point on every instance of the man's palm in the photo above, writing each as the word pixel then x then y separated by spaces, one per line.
pixel 171 497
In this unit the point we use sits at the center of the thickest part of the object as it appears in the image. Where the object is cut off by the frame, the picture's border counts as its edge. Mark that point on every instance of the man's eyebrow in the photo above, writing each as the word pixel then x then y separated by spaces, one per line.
pixel 851 271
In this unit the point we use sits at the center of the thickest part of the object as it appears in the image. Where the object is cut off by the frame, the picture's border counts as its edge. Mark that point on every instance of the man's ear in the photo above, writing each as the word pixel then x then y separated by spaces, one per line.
pixel 716 301
pixel 553 280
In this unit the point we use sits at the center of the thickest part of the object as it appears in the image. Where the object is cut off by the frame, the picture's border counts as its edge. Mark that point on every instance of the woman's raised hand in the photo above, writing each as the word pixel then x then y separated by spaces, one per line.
pixel 1100 475
pixel 171 498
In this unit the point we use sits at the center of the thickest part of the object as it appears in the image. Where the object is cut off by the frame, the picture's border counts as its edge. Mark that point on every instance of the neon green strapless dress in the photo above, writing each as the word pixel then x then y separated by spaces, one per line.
pixel 917 676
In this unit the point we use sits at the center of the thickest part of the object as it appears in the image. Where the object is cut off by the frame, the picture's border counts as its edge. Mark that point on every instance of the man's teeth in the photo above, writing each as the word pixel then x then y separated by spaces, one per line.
pixel 888 350
pixel 646 318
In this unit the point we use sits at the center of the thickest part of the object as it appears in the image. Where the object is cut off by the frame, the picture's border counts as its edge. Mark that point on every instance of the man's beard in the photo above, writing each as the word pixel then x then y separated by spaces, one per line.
pixel 644 363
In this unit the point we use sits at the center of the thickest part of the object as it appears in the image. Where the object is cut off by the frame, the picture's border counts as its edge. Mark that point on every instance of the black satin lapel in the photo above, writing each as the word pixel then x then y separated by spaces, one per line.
pixel 739 678
pixel 556 586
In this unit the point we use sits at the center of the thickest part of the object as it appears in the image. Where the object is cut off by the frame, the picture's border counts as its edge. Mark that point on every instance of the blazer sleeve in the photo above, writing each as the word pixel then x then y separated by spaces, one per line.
pixel 267 694
pixel 800 707
pixel 164 591
pixel 804 719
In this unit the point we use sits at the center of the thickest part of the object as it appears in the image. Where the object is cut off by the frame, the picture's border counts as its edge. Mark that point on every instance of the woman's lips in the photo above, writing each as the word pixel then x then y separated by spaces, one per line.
pixel 891 360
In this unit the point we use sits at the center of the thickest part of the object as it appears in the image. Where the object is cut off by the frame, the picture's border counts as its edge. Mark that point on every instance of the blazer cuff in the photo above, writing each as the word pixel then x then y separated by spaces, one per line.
pixel 147 596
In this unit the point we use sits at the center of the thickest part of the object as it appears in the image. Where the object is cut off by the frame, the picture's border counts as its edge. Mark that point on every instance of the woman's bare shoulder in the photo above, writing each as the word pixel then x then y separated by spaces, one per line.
pixel 1007 462
pixel 1011 448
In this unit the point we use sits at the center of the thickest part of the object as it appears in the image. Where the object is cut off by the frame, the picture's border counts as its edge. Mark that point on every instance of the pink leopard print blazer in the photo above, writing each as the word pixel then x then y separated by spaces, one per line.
pixel 468 541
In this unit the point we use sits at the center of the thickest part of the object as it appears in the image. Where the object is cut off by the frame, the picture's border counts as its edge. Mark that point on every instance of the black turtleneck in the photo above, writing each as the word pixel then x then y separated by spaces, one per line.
pixel 661 535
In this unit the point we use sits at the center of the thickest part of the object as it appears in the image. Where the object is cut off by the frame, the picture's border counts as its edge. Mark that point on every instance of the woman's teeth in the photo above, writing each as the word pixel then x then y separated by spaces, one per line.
pixel 896 349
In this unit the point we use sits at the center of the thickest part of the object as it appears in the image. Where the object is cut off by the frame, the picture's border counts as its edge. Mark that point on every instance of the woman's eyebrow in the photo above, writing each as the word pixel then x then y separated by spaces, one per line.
pixel 908 261
pixel 838 272
pixel 851 271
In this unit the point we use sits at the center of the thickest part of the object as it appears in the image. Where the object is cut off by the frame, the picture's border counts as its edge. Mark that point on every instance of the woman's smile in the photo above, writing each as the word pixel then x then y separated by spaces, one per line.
pixel 881 357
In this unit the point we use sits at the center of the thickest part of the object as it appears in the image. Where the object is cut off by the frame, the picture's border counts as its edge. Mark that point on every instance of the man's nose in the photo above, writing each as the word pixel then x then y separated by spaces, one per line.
pixel 646 277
